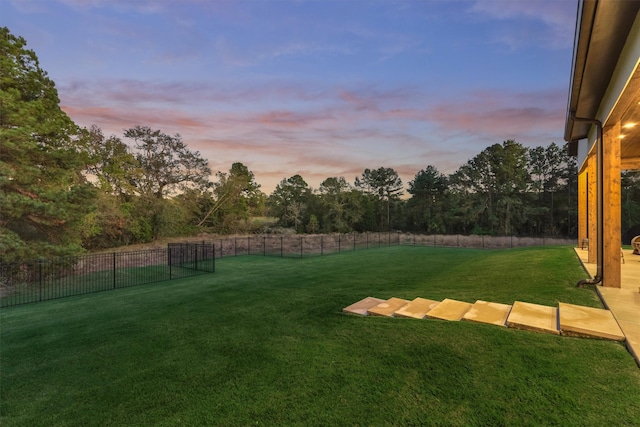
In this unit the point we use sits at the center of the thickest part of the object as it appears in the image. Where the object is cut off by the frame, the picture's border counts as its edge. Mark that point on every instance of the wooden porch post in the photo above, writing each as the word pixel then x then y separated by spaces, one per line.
pixel 612 208
pixel 582 206
pixel 592 225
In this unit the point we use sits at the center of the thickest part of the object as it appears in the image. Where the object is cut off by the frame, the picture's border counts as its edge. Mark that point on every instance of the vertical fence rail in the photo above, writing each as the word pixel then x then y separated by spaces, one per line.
pixel 41 280
pixel 325 244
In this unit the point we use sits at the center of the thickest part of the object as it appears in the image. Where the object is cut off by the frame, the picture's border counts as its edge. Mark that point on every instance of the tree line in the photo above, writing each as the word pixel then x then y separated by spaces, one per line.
pixel 66 189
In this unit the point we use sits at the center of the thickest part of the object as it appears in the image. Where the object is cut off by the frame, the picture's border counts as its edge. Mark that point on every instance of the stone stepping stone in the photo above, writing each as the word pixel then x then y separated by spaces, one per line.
pixel 449 309
pixel 387 308
pixel 362 307
pixel 588 322
pixel 417 308
pixel 492 313
pixel 533 317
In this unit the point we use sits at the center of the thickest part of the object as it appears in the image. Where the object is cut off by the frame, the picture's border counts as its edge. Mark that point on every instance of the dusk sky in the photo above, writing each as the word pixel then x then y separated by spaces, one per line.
pixel 316 88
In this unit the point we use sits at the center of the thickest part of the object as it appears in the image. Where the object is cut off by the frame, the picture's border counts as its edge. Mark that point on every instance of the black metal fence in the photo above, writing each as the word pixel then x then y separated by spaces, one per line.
pixel 193 256
pixel 41 280
pixel 481 241
pixel 301 246
pixel 28 282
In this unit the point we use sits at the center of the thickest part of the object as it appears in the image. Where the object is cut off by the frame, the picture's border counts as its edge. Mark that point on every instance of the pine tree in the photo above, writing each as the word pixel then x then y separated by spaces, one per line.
pixel 44 196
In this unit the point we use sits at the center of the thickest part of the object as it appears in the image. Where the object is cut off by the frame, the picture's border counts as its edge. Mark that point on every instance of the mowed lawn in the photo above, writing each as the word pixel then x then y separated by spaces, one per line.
pixel 263 341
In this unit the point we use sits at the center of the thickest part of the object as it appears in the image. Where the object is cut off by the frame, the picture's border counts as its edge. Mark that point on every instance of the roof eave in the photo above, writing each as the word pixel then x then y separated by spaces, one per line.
pixel 601 33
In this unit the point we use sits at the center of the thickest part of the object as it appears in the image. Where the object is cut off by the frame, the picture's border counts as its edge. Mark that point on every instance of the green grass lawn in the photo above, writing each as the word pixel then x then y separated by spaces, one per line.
pixel 263 341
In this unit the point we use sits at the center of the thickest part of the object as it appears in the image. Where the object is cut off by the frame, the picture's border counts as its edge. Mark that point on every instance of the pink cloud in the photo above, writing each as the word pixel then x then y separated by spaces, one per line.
pixel 290 118
pixel 319 132
pixel 502 115
pixel 359 102
pixel 114 120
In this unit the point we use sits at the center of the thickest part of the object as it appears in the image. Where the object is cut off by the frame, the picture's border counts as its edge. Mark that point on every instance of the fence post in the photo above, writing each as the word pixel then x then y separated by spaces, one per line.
pixel 40 277
pixel 114 268
pixel 196 260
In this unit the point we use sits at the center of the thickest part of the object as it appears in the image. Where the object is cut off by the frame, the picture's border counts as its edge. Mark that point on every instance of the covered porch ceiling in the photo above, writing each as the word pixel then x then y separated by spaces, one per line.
pixel 627 113
pixel 602 30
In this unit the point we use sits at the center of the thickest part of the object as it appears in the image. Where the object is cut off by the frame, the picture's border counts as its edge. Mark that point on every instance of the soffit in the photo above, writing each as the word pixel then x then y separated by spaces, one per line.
pixel 627 111
pixel 601 33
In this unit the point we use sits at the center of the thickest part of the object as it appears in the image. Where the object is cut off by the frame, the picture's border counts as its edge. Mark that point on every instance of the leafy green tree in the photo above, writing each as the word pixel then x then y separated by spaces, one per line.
pixel 338 206
pixel 333 195
pixel 107 226
pixel 546 166
pixel 197 203
pixel 496 179
pixel 566 218
pixel 237 196
pixel 113 164
pixel 425 208
pixel 288 202
pixel 167 165
pixel 630 182
pixel 386 186
pixel 468 201
pixel 313 225
pixel 45 196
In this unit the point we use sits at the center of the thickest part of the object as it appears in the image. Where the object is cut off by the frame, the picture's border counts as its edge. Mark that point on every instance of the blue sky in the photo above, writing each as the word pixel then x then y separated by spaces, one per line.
pixel 316 88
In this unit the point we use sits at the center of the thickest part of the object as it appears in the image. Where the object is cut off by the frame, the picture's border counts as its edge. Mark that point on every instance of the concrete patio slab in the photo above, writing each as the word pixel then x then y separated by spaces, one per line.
pixel 629 269
pixel 582 321
pixel 362 307
pixel 488 312
pixel 631 331
pixel 449 309
pixel 387 308
pixel 533 317
pixel 417 308
pixel 625 305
